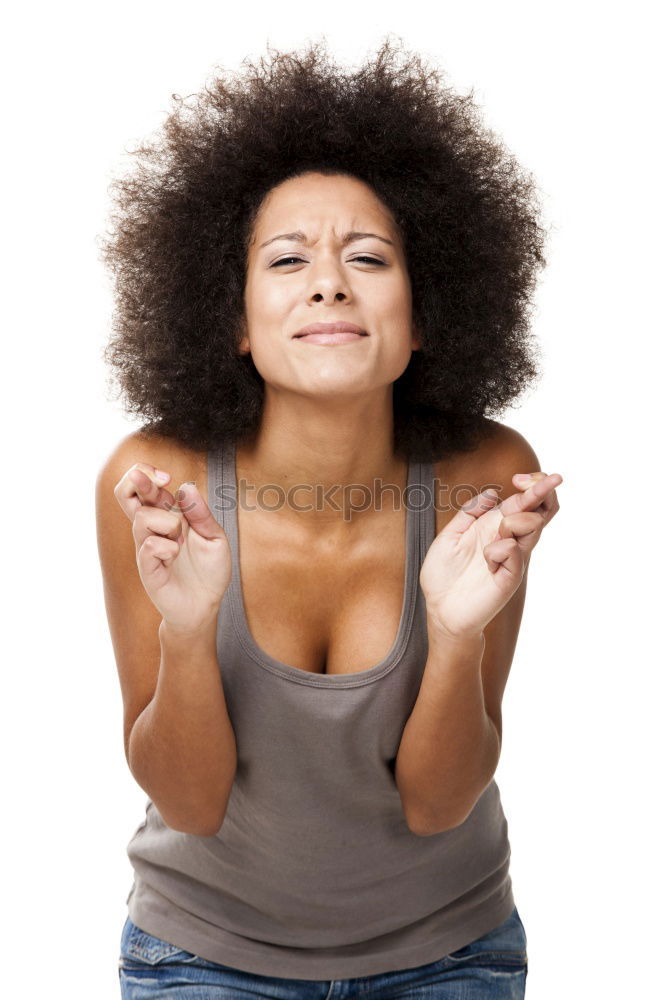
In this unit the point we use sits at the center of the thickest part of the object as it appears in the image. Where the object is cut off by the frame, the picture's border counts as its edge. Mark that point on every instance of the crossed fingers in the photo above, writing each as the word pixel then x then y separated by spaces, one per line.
pixel 539 496
pixel 526 514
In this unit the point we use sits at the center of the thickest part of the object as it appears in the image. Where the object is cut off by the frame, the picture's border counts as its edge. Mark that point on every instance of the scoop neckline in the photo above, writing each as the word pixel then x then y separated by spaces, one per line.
pixel 287 670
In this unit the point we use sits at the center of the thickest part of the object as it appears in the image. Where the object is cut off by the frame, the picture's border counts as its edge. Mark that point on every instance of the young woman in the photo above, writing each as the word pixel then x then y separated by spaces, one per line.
pixel 315 549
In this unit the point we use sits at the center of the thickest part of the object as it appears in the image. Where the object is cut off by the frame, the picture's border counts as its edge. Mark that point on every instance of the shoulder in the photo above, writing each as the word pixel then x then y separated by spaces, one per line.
pixel 154 449
pixel 502 452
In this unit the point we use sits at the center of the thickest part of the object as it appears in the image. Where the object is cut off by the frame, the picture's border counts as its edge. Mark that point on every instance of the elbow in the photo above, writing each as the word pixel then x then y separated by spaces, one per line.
pixel 428 828
pixel 212 828
pixel 209 830
pixel 201 828
pixel 424 822
pixel 201 825
pixel 427 824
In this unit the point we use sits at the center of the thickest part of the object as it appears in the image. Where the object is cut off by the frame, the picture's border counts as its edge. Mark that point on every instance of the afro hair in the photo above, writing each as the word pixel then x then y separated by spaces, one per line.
pixel 182 219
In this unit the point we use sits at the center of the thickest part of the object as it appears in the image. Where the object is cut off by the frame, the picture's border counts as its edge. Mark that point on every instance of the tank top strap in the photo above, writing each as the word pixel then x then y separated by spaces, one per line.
pixel 423 499
pixel 228 483
pixel 219 496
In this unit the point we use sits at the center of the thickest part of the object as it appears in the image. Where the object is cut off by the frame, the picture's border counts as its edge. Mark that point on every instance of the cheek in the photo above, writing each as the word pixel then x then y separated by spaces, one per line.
pixel 265 355
pixel 396 308
pixel 397 356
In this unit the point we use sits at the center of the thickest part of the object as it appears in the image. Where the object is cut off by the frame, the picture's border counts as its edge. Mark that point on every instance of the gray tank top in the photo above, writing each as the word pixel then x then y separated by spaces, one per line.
pixel 314 873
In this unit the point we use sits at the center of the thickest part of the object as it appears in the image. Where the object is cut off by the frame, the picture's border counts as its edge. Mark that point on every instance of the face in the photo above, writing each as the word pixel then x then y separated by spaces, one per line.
pixel 322 277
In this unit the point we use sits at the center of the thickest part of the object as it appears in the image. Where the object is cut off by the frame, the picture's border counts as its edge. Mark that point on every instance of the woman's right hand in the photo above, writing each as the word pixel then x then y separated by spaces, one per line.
pixel 182 553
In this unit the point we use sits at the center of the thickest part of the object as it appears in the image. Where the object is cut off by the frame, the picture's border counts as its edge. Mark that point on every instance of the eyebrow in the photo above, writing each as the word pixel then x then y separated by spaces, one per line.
pixel 350 237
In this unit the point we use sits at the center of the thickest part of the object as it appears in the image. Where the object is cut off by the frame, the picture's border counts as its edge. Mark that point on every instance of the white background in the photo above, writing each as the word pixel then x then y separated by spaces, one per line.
pixel 574 90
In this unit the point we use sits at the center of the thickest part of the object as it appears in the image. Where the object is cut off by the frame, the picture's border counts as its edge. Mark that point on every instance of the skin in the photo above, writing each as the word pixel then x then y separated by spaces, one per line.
pixel 322 591
pixel 328 409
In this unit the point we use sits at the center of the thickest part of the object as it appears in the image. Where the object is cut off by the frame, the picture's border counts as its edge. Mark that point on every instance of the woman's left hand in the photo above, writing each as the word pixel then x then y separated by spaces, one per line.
pixel 477 561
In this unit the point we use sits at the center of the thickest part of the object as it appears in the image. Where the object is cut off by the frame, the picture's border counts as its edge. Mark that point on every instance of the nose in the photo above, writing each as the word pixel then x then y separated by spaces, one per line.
pixel 325 296
pixel 328 283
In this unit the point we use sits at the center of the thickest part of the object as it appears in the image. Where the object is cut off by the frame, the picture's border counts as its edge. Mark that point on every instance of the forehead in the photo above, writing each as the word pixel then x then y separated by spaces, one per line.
pixel 314 201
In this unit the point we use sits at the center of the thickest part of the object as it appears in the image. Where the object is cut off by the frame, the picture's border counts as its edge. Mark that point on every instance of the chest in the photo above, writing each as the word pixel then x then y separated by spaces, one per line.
pixel 324 605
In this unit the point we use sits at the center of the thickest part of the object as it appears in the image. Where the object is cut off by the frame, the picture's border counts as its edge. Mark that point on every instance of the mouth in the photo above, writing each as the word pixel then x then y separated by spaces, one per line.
pixel 331 338
pixel 330 333
pixel 339 327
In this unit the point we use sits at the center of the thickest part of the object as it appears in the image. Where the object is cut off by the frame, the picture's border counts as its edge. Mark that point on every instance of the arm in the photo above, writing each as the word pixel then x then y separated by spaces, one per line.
pixel 178 738
pixel 451 743
pixel 182 748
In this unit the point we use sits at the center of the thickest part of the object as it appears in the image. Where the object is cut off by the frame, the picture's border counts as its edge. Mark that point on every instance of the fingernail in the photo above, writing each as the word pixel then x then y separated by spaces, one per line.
pixel 181 492
pixel 162 476
pixel 523 475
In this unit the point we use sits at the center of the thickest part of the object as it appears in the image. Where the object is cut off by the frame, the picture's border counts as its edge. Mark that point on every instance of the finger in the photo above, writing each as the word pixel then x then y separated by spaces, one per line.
pixel 520 523
pixel 525 527
pixel 533 496
pixel 539 482
pixel 141 484
pixel 196 511
pixel 471 511
pixel 149 488
pixel 156 554
pixel 155 521
pixel 525 479
pixel 549 503
pixel 550 506
pixel 504 554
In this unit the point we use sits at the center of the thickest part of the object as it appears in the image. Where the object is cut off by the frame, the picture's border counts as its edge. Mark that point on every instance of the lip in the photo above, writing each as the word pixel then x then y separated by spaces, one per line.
pixel 330 328
pixel 329 339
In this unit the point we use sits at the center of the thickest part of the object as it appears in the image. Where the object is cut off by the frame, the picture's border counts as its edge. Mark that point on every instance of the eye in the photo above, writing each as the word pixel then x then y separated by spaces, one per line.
pixel 286 260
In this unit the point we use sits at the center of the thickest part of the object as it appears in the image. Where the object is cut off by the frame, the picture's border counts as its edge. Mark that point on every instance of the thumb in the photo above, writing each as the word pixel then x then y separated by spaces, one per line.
pixel 470 512
pixel 196 511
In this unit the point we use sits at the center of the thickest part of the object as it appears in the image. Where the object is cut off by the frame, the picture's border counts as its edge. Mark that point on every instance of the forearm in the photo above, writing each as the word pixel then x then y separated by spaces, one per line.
pixel 449 748
pixel 182 748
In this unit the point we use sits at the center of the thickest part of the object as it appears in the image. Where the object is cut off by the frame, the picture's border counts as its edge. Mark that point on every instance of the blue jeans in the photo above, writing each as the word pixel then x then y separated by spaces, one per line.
pixel 494 966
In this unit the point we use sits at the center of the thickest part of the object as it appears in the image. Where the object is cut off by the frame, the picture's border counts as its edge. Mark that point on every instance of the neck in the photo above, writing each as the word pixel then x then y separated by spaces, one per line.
pixel 326 447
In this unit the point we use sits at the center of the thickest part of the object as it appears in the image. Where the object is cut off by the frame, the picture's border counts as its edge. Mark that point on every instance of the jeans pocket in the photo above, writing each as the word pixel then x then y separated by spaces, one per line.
pixel 138 946
pixel 504 947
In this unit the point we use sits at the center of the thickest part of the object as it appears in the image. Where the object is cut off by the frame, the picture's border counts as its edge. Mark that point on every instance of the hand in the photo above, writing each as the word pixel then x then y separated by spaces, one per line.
pixel 478 560
pixel 183 554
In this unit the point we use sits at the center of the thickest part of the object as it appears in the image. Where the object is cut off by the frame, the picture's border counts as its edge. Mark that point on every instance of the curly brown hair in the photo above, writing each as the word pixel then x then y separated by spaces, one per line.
pixel 182 220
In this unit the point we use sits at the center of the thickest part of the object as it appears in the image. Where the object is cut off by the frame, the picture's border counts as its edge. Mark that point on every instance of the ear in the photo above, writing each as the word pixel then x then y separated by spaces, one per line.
pixel 244 342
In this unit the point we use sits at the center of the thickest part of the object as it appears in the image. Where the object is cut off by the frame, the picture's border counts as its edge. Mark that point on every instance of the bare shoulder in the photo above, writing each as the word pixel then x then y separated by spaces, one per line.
pixel 503 452
pixel 183 463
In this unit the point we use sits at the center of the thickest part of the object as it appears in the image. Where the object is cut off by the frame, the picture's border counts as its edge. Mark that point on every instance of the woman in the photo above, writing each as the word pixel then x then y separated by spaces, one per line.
pixel 323 284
